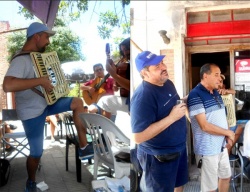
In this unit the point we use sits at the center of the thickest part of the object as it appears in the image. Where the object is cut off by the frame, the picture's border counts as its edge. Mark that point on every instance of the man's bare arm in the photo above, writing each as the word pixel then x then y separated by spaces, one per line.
pixel 13 84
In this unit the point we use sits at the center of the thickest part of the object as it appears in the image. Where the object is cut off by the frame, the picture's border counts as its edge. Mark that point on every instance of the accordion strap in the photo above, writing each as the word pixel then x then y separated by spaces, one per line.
pixel 26 53
pixel 38 92
pixel 19 53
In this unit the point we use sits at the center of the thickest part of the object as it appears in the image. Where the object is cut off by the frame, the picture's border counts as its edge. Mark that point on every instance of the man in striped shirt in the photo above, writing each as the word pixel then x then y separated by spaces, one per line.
pixel 210 130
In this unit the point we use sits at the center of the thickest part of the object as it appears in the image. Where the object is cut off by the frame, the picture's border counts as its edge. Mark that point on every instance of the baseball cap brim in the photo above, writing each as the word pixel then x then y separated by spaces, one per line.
pixel 51 33
pixel 156 59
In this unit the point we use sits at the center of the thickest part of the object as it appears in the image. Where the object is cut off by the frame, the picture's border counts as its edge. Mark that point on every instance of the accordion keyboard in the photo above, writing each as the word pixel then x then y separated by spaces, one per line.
pixel 49 64
pixel 229 103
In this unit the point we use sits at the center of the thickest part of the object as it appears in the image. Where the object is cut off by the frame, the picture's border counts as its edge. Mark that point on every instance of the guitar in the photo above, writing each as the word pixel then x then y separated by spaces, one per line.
pixel 98 84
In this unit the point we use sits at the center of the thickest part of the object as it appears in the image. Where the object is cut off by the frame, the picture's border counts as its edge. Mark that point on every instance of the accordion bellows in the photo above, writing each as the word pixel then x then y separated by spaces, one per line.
pixel 230 107
pixel 49 64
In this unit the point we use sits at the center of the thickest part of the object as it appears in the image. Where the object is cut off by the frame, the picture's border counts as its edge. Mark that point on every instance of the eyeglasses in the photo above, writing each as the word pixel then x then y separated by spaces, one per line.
pixel 217 101
pixel 100 69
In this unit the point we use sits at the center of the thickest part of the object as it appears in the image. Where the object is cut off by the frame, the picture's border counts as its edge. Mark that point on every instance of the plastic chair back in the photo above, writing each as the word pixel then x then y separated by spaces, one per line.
pixel 106 137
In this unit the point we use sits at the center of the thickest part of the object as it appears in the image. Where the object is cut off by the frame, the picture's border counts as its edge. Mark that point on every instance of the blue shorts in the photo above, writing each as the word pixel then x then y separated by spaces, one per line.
pixel 99 110
pixel 233 128
pixel 163 177
pixel 34 128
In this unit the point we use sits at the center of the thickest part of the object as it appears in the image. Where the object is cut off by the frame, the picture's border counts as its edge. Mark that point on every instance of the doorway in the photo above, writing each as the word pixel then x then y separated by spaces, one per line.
pixel 222 59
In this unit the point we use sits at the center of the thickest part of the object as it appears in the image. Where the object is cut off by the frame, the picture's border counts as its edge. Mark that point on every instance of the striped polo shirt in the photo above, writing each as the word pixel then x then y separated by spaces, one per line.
pixel 200 100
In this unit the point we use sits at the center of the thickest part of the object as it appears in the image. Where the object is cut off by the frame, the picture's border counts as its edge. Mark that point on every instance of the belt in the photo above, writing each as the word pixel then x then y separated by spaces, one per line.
pixel 168 157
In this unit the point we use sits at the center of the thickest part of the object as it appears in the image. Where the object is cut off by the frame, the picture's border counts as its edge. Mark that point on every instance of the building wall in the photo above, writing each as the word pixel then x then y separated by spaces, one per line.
pixel 4 26
pixel 149 17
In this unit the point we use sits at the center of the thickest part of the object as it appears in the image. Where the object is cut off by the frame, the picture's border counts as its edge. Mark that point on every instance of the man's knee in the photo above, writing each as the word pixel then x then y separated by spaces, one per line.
pixel 93 109
pixel 35 156
pixel 76 103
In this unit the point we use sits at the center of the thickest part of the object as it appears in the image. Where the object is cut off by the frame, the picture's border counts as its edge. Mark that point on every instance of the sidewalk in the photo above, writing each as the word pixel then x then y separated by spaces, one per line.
pixel 52 172
pixel 194 182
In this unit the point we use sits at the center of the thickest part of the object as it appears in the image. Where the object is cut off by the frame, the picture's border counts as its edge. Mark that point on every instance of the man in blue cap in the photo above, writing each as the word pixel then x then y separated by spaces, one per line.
pixel 31 107
pixel 159 127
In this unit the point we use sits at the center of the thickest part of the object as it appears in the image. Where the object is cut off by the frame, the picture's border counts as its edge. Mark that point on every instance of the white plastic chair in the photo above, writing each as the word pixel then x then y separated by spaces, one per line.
pixel 105 147
pixel 18 137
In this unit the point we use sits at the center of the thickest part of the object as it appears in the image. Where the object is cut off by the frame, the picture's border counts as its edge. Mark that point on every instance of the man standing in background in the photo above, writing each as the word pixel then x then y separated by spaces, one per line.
pixel 210 130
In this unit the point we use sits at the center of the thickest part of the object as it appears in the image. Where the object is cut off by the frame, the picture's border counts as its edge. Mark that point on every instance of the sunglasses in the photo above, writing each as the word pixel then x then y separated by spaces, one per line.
pixel 100 69
pixel 217 101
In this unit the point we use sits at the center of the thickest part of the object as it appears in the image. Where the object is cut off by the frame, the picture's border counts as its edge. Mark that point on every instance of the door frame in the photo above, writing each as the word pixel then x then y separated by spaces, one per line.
pixel 231 48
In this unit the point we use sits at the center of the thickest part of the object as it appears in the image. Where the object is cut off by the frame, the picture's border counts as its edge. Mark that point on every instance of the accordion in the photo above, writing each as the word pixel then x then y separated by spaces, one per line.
pixel 49 64
pixel 230 108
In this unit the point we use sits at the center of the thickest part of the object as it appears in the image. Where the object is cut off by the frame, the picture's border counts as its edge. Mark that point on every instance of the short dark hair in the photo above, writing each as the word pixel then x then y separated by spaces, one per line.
pixel 126 44
pixel 97 65
pixel 206 68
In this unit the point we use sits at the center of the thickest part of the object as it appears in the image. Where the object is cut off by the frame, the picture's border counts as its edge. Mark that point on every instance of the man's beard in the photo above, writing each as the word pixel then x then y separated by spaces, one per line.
pixel 42 50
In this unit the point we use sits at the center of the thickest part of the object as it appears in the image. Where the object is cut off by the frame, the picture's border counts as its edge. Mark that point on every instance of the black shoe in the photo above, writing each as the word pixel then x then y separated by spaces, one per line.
pixel 12 127
pixel 233 157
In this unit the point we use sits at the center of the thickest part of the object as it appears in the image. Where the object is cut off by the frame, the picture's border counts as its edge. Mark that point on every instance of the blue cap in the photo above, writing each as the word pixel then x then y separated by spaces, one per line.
pixel 37 28
pixel 146 58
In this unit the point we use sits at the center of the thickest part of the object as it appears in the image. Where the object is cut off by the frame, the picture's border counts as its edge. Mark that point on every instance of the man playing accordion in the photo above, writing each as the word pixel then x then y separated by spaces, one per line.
pixel 31 107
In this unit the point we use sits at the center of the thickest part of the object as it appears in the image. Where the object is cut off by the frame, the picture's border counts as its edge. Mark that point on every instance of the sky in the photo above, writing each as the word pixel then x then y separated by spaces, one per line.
pixel 93 47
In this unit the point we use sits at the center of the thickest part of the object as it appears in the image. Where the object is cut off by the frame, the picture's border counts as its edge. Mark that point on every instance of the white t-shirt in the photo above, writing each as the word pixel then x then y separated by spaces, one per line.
pixel 245 150
pixel 28 103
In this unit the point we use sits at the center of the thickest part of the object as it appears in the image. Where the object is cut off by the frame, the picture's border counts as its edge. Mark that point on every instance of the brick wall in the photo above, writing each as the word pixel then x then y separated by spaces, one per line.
pixel 169 61
pixel 4 26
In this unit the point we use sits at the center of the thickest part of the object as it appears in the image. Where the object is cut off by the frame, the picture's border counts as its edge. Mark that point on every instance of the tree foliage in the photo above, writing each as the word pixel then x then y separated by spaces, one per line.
pixel 64 42
pixel 15 43
pixel 76 91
